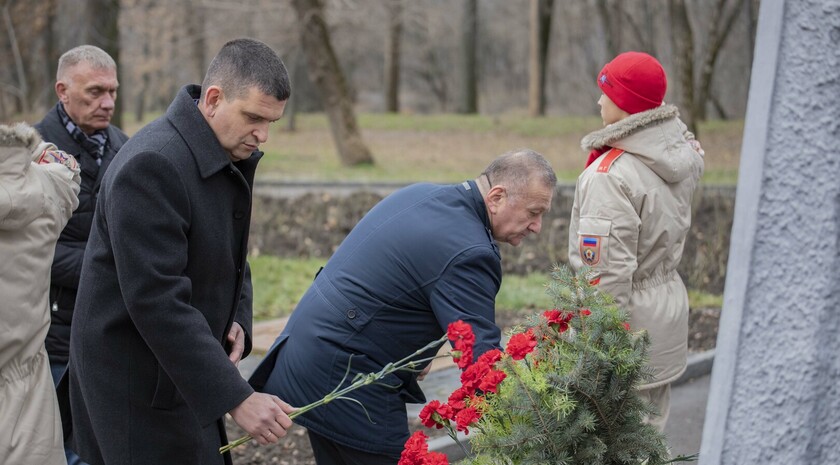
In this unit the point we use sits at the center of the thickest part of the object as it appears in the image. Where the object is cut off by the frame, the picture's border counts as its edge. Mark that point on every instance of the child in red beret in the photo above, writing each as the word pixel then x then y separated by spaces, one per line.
pixel 632 211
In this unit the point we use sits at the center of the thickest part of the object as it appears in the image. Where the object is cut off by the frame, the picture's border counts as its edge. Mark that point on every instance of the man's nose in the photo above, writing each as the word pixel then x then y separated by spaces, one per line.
pixel 536 226
pixel 261 133
pixel 108 102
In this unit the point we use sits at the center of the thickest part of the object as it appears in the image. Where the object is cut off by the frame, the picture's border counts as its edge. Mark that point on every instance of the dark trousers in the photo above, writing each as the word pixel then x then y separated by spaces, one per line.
pixel 329 452
pixel 57 369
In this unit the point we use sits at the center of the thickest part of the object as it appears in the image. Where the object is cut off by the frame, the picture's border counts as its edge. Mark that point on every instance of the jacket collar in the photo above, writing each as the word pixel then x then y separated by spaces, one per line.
pixel 607 136
pixel 186 118
pixel 478 201
pixel 656 137
pixel 480 207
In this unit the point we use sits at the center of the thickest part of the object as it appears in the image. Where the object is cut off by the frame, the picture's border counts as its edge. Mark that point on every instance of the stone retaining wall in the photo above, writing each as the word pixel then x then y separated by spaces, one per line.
pixel 313 224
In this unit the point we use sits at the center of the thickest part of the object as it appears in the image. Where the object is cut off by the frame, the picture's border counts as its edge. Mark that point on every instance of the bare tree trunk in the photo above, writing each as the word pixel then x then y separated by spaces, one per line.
pixel 610 26
pixel 721 111
pixel 195 18
pixel 538 55
pixel 430 69
pixel 683 44
pixel 326 73
pixel 50 54
pixel 23 87
pixel 643 32
pixel 140 97
pixel 296 73
pixel 469 46
pixel 105 34
pixel 723 17
pixel 392 56
pixel 751 7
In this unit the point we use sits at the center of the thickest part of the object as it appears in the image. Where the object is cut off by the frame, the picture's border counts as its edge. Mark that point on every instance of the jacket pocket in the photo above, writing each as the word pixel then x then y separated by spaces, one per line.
pixel 259 378
pixel 593 240
pixel 165 397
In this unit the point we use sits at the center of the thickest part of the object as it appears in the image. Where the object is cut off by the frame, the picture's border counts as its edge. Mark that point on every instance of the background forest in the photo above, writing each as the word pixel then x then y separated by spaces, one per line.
pixel 409 90
pixel 419 56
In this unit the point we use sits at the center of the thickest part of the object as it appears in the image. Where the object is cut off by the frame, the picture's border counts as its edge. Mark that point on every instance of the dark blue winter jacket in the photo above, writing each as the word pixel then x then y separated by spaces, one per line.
pixel 419 260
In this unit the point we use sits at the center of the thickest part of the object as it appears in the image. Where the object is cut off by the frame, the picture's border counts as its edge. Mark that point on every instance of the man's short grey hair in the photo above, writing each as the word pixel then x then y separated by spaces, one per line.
pixel 89 54
pixel 245 63
pixel 518 168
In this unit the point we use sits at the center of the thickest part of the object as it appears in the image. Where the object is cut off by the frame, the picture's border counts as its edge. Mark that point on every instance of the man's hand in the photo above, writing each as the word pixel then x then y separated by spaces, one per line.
pixel 264 417
pixel 236 338
pixel 422 375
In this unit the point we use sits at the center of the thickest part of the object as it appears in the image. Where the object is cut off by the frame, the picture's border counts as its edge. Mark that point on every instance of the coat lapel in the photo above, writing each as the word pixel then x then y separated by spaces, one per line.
pixel 185 117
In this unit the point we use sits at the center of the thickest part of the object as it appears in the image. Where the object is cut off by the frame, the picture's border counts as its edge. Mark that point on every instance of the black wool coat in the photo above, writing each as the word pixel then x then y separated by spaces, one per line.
pixel 164 277
pixel 70 248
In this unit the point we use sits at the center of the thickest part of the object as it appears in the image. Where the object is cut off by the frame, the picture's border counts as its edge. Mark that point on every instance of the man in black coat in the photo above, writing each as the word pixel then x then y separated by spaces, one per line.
pixel 79 124
pixel 423 257
pixel 163 313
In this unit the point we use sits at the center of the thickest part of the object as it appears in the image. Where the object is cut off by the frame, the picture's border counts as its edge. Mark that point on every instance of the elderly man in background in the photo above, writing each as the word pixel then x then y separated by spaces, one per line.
pixel 79 124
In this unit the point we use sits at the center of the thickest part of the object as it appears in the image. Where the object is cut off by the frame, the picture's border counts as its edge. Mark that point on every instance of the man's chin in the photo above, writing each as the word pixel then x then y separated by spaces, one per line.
pixel 239 156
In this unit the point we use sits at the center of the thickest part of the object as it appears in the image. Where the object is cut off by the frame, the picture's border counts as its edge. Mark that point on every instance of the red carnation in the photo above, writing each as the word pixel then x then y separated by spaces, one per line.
pixel 490 357
pixel 466 418
pixel 521 344
pixel 557 319
pixel 435 414
pixel 462 338
pixel 585 312
pixel 456 399
pixel 463 353
pixel 460 330
pixel 435 458
pixel 627 326
pixel 490 381
pixel 415 449
pixel 472 376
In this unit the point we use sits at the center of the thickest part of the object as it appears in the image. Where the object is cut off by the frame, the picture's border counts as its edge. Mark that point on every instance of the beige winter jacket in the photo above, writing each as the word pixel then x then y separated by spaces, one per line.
pixel 36 200
pixel 629 223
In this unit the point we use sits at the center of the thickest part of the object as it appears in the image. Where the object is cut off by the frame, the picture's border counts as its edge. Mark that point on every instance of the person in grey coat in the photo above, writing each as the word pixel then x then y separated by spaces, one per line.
pixel 38 192
pixel 422 258
pixel 163 313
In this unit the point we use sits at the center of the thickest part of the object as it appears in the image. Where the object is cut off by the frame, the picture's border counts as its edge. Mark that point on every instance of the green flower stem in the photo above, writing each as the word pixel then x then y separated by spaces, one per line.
pixel 454 435
pixel 359 381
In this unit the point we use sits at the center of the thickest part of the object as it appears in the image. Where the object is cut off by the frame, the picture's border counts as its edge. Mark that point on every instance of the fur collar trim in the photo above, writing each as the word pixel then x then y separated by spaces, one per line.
pixel 19 135
pixel 626 127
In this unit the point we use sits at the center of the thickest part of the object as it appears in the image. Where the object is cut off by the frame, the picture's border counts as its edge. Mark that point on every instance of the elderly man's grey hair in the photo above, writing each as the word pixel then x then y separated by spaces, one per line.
pixel 89 54
pixel 518 168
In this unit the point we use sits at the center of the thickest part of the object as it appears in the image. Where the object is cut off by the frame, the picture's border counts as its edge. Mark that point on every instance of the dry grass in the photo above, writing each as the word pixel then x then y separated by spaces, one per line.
pixel 450 148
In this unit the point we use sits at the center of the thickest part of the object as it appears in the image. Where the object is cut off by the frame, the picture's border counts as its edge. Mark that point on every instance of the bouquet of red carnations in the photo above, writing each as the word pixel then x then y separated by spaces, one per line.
pixel 563 392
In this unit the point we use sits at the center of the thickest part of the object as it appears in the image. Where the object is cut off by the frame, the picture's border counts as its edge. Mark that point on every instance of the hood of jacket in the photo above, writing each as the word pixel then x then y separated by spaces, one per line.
pixel 656 137
pixel 17 143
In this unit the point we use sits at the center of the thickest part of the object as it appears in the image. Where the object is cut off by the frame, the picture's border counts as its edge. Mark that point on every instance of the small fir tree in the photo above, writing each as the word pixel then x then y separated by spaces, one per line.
pixel 569 394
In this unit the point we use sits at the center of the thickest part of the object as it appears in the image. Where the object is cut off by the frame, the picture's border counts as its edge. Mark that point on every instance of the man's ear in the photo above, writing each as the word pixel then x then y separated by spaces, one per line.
pixel 212 97
pixel 495 197
pixel 61 91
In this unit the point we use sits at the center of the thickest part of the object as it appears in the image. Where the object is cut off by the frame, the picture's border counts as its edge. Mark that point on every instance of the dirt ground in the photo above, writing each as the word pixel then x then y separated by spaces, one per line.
pixel 294 448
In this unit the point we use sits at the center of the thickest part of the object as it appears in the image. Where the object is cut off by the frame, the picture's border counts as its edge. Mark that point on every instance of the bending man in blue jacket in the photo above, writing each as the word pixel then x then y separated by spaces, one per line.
pixel 422 258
